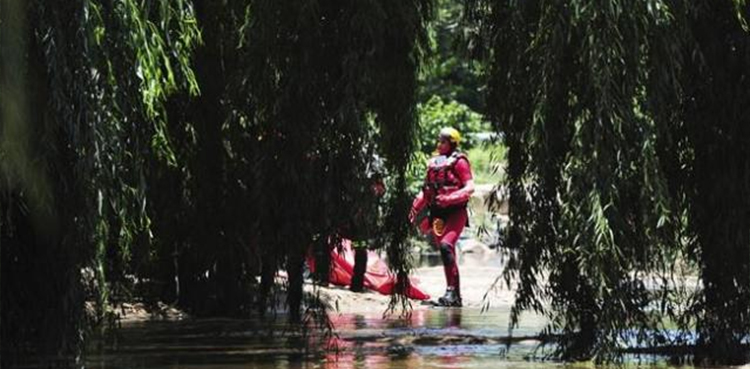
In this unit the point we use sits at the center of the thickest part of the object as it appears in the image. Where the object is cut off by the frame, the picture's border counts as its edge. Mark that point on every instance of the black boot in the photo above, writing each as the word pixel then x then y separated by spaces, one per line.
pixel 451 298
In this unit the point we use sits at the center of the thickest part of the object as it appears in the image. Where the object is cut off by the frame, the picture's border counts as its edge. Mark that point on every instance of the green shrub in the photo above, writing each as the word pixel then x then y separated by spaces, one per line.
pixel 436 113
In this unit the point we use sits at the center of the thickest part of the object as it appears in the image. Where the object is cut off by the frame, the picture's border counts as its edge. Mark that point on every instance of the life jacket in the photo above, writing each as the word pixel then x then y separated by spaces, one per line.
pixel 441 174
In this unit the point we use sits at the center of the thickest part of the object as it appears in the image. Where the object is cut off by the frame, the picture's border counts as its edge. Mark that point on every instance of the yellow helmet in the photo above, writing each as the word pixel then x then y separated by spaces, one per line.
pixel 451 134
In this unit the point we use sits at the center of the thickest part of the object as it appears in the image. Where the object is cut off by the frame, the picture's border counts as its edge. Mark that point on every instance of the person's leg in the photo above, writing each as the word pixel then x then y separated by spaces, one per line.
pixel 450 266
pixel 360 265
pixel 454 225
pixel 322 254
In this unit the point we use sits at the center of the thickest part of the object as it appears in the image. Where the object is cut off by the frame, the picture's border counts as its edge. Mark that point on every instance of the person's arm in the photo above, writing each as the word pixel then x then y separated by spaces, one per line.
pixel 463 194
pixel 419 203
pixel 457 197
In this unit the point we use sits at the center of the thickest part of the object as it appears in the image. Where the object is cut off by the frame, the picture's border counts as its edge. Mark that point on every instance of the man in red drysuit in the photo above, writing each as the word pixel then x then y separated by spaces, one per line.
pixel 447 189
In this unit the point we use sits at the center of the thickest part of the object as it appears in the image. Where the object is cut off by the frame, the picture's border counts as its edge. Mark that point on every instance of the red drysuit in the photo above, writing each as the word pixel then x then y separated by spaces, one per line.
pixel 446 176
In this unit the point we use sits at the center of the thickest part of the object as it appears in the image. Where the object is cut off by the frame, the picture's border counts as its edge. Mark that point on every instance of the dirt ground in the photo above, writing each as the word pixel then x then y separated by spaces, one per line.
pixel 478 271
pixel 479 268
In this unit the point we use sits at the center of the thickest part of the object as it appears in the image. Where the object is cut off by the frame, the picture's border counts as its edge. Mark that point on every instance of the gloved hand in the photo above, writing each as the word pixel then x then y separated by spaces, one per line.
pixel 419 203
pixel 453 198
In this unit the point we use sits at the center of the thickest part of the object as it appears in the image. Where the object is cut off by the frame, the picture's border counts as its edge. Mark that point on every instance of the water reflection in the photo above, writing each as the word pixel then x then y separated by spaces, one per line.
pixel 450 338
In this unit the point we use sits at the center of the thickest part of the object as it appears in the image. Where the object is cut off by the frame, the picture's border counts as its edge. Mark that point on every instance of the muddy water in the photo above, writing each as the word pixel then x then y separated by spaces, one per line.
pixel 431 337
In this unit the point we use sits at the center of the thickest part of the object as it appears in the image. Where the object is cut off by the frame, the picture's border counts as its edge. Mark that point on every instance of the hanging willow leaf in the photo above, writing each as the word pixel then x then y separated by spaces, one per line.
pixel 616 114
pixel 97 75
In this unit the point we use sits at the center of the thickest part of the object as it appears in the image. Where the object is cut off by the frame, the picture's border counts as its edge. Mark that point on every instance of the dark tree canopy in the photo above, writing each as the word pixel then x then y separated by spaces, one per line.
pixel 627 127
pixel 175 150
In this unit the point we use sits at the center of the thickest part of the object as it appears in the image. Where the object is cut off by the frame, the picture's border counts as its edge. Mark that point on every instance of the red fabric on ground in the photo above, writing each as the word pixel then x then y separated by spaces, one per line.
pixel 377 276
